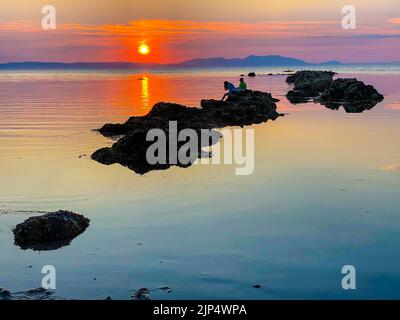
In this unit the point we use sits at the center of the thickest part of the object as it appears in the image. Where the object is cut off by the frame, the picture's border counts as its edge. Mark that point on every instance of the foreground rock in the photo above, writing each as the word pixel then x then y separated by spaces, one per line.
pixel 319 86
pixel 241 109
pixel 50 231
pixel 32 294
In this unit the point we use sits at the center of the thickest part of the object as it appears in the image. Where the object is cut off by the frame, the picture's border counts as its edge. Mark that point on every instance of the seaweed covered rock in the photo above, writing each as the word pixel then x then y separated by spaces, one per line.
pixel 350 91
pixel 159 117
pixel 50 231
pixel 309 76
pixel 319 86
pixel 243 108
pixel 353 95
pixel 240 109
pixel 308 84
pixel 297 97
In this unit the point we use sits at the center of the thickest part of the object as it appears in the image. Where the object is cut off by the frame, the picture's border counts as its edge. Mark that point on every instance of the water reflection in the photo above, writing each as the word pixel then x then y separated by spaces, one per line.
pixel 177 214
pixel 353 107
pixel 49 246
pixel 145 92
pixel 349 107
pixel 136 158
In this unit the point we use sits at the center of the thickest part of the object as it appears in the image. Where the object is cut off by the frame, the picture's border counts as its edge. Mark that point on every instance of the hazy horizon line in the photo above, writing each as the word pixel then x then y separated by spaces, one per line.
pixel 198 59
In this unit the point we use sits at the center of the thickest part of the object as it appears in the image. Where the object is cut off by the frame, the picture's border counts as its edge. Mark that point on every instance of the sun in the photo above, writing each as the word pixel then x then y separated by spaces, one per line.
pixel 144 49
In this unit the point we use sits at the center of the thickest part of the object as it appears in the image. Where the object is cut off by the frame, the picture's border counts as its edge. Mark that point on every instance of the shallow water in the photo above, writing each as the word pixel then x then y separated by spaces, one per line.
pixel 324 193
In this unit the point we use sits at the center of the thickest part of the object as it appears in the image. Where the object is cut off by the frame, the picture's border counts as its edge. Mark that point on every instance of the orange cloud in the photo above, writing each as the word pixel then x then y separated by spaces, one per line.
pixel 391 167
pixel 394 20
pixel 175 40
pixel 120 41
pixel 393 106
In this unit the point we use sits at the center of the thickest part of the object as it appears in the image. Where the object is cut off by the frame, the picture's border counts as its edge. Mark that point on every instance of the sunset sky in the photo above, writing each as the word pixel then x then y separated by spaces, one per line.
pixel 176 30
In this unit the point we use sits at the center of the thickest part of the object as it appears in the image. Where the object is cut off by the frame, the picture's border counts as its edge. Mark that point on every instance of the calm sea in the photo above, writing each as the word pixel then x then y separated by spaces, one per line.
pixel 324 193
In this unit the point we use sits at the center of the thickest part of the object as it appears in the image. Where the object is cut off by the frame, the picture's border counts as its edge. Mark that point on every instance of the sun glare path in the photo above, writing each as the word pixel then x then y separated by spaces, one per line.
pixel 145 92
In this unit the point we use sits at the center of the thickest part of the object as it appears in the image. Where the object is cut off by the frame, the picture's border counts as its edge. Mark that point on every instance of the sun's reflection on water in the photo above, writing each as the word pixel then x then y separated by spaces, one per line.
pixel 145 92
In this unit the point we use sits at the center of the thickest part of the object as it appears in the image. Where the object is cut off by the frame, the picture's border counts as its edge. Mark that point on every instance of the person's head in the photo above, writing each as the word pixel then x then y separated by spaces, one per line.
pixel 241 80
pixel 226 85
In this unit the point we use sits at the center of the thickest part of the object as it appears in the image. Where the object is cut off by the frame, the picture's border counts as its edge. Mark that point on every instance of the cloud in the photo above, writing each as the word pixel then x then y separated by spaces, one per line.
pixel 361 36
pixel 393 106
pixel 394 21
pixel 391 167
pixel 176 40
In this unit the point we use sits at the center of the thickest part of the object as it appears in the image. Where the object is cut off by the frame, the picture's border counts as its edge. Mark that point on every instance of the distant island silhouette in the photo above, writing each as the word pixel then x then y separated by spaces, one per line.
pixel 217 62
pixel 251 61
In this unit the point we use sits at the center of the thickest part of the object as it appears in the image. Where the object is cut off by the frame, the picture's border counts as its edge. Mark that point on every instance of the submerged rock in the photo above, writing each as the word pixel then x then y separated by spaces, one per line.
pixel 240 109
pixel 50 231
pixel 319 86
pixel 4 294
pixel 141 294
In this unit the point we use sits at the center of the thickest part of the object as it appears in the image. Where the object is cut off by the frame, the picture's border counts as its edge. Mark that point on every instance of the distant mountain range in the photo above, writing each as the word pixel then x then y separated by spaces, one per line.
pixel 219 62
pixel 250 61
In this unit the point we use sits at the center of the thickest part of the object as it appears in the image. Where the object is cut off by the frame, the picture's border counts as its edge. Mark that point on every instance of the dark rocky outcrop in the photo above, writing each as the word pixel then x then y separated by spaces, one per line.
pixel 251 74
pixel 240 109
pixel 308 85
pixel 297 97
pixel 319 86
pixel 353 95
pixel 311 76
pixel 50 231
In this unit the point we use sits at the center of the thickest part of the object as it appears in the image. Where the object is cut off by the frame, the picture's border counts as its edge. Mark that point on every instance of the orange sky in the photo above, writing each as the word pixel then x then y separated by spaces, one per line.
pixel 175 30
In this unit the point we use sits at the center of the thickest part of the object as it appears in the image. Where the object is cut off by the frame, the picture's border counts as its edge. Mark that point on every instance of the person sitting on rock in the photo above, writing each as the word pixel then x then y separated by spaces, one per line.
pixel 242 84
pixel 228 86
